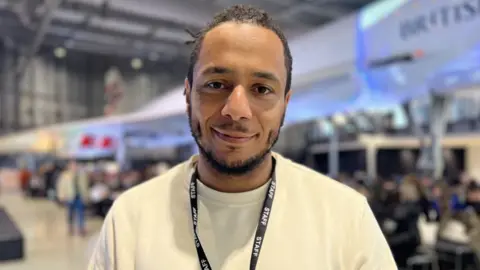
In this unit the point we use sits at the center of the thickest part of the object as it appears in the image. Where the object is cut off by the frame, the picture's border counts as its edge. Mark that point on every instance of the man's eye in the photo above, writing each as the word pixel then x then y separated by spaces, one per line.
pixel 263 90
pixel 215 85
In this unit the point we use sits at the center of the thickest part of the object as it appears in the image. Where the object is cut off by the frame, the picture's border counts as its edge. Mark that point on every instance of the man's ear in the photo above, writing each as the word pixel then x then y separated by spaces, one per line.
pixel 287 97
pixel 187 92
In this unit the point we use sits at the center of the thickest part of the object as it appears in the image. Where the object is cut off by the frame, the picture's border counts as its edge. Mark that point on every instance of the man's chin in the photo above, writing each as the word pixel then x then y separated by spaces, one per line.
pixel 234 163
pixel 234 167
pixel 230 155
pixel 231 160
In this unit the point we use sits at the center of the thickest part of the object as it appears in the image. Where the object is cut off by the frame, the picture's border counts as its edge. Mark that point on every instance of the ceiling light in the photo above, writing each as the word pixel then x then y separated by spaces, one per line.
pixel 339 119
pixel 60 52
pixel 137 63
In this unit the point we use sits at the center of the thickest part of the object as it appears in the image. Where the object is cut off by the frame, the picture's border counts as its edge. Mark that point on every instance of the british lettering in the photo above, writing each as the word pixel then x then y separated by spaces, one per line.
pixel 442 17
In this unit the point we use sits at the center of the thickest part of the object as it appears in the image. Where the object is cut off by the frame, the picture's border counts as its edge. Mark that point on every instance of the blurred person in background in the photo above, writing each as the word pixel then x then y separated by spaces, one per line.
pixel 130 179
pixel 451 205
pixel 36 185
pixel 24 177
pixel 471 218
pixel 49 176
pixel 436 196
pixel 223 208
pixel 363 188
pixel 426 182
pixel 473 196
pixel 161 168
pixel 472 226
pixel 398 215
pixel 73 191
pixel 457 193
pixel 100 194
pixel 388 192
pixel 458 227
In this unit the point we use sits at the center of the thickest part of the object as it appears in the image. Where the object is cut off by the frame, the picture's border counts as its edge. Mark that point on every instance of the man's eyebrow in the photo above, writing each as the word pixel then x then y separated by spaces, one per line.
pixel 216 70
pixel 266 75
pixel 223 70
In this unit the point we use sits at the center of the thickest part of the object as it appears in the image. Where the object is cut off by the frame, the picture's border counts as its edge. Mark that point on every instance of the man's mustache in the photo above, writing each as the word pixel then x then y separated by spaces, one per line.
pixel 232 126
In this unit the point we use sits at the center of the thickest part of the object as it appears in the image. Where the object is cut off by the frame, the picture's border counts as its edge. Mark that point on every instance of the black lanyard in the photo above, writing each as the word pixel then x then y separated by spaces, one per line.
pixel 261 227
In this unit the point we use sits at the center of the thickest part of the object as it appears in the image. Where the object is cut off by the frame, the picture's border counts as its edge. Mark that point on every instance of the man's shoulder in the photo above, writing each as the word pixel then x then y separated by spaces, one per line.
pixel 320 186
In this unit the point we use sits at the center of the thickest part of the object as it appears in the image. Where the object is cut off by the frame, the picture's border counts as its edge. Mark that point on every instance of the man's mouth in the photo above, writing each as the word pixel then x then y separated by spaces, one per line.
pixel 232 137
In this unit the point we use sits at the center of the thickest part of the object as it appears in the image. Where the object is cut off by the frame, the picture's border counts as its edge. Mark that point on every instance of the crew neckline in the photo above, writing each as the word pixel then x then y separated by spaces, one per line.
pixel 239 198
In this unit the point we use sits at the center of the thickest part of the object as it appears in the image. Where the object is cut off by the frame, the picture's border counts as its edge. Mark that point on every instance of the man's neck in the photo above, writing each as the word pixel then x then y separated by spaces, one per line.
pixel 231 183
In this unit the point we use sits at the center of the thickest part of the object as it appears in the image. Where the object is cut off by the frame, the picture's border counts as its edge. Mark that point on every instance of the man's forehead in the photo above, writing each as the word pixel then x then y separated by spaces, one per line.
pixel 259 44
pixel 231 31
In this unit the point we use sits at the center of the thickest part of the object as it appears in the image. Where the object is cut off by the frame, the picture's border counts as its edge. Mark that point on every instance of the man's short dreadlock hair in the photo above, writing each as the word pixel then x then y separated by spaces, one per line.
pixel 240 14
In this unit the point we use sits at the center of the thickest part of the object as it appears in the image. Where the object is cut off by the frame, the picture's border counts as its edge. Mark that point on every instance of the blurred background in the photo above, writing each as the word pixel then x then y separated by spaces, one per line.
pixel 386 100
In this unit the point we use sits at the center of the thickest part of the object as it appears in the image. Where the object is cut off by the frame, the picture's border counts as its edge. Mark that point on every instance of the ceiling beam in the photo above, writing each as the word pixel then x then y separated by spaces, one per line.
pixel 115 13
pixel 24 10
pixel 12 29
pixel 323 10
pixel 169 43
pixel 95 47
pixel 61 35
pixel 174 38
pixel 50 7
pixel 354 5
pixel 116 51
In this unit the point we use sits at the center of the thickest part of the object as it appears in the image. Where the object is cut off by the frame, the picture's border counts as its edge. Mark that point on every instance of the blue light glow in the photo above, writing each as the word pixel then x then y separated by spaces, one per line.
pixel 375 12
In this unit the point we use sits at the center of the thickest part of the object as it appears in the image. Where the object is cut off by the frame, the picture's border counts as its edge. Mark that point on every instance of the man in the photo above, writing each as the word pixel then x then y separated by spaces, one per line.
pixel 237 205
pixel 24 176
pixel 49 176
pixel 72 190
pixel 470 217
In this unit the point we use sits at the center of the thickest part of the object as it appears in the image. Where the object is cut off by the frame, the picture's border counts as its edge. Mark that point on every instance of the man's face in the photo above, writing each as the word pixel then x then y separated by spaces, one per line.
pixel 408 192
pixel 237 102
pixel 474 195
pixel 437 192
pixel 389 186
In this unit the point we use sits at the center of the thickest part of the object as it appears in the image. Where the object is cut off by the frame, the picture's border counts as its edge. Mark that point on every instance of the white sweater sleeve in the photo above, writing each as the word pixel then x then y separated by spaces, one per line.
pixel 115 249
pixel 371 247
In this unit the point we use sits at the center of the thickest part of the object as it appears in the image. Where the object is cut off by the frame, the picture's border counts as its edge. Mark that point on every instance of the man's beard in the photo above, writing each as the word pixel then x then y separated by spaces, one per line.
pixel 236 168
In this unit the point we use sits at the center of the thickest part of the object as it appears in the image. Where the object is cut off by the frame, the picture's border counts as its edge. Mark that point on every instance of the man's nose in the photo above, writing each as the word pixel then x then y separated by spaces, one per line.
pixel 237 106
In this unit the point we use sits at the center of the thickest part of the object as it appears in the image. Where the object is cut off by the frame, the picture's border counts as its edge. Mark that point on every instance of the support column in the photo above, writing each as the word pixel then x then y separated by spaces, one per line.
pixel 440 108
pixel 371 162
pixel 333 152
pixel 121 155
pixel 431 159
pixel 3 71
pixel 9 96
pixel 412 126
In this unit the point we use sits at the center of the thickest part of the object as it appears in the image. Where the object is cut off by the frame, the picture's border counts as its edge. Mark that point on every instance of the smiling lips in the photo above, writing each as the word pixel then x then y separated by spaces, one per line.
pixel 233 137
